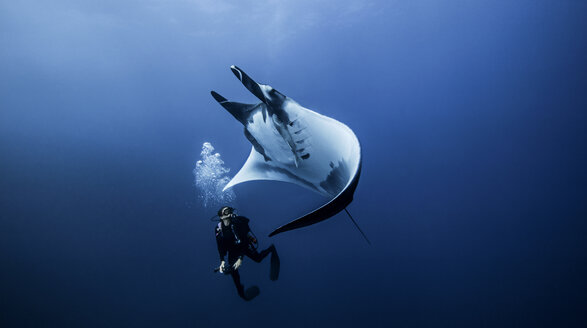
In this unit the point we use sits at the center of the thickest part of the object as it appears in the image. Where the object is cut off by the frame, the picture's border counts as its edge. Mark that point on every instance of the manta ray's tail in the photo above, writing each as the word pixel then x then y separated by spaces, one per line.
pixel 356 225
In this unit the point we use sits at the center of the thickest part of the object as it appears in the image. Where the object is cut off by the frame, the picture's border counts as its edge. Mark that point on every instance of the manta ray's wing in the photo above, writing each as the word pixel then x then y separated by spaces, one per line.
pixel 257 168
pixel 335 144
pixel 328 210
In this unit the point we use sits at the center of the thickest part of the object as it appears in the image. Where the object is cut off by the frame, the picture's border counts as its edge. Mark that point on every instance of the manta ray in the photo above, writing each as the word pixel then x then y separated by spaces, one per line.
pixel 294 144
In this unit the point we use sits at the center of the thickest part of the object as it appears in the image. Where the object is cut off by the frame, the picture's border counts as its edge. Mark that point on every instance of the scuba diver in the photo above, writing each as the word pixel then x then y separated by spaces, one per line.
pixel 235 238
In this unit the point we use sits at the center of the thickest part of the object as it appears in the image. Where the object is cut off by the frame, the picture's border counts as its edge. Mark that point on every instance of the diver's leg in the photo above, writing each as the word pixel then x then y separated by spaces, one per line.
pixel 235 275
pixel 254 255
pixel 271 249
pixel 250 292
pixel 258 257
pixel 237 282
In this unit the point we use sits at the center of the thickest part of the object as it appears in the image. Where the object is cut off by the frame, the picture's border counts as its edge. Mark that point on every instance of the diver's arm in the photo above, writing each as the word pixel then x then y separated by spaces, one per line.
pixel 245 229
pixel 222 252
pixel 220 245
pixel 251 237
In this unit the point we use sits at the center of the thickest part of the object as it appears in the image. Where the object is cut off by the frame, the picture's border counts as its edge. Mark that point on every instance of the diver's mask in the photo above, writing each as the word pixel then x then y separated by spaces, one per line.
pixel 226 211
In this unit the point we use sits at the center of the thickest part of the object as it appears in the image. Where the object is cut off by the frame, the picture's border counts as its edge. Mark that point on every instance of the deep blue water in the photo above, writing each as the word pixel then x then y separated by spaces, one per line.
pixel 471 117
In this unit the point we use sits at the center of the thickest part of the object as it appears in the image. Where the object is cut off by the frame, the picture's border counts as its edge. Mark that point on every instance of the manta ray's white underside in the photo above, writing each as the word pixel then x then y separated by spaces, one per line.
pixel 297 145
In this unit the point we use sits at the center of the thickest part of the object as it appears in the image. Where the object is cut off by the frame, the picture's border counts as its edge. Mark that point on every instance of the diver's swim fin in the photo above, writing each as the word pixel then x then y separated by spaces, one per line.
pixel 274 270
pixel 251 293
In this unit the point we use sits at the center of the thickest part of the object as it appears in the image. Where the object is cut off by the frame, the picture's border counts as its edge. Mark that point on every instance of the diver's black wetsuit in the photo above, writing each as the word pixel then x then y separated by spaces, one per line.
pixel 234 239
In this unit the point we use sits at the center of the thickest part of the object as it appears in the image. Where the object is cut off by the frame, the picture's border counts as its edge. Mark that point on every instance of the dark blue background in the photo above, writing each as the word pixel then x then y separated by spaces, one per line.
pixel 471 117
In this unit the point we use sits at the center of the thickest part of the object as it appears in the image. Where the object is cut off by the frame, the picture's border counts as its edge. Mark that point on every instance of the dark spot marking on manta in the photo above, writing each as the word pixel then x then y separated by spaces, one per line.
pixel 337 178
pixel 299 131
pixel 306 156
